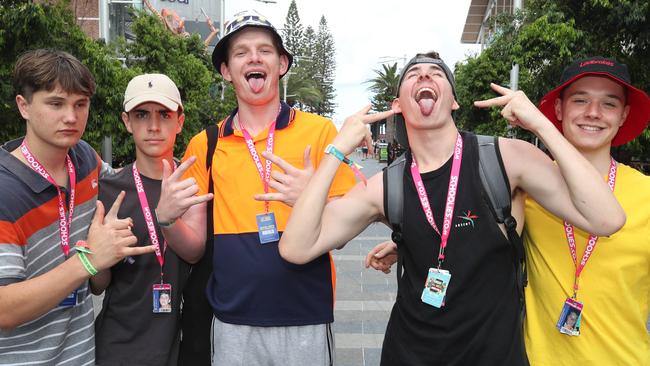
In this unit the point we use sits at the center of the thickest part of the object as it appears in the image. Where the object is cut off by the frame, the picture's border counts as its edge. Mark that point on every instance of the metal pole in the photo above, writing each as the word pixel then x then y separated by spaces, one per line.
pixel 514 72
pixel 104 27
pixel 514 77
pixel 107 150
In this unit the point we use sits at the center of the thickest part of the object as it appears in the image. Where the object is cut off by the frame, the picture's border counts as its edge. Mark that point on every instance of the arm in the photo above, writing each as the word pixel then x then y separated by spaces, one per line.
pixel 179 203
pixel 315 226
pixel 109 240
pixel 572 189
pixel 100 281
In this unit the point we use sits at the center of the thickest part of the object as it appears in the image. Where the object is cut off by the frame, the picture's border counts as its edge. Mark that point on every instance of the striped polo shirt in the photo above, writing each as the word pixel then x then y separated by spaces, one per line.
pixel 30 246
pixel 251 284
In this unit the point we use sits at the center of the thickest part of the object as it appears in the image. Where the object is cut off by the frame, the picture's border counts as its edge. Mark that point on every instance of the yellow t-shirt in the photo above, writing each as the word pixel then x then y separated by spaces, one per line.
pixel 614 285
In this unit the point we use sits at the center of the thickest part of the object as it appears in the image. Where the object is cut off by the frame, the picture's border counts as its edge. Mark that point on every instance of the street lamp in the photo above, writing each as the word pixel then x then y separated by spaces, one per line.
pixel 387 59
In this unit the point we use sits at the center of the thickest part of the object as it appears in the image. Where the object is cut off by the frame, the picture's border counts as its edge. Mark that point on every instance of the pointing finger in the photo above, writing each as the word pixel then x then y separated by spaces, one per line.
pixel 181 169
pixel 167 169
pixel 98 218
pixel 493 102
pixel 370 118
pixel 281 163
pixel 116 205
pixel 306 160
pixel 501 89
pixel 363 111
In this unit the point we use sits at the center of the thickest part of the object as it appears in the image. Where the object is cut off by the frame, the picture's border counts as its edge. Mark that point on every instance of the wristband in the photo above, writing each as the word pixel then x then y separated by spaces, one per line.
pixel 82 246
pixel 86 263
pixel 169 223
pixel 332 150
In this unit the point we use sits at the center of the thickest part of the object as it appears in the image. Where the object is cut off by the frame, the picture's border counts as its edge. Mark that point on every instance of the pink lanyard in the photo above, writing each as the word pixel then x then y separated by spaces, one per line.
pixel 64 223
pixel 591 243
pixel 148 218
pixel 265 172
pixel 454 179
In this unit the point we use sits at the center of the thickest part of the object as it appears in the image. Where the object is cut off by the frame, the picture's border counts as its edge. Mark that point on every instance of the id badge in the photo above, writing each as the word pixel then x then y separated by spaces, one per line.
pixel 162 298
pixel 435 287
pixel 569 322
pixel 266 228
pixel 70 300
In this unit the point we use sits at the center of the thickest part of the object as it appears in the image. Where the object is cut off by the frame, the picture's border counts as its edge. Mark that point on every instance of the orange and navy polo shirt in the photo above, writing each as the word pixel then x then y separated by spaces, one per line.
pixel 251 284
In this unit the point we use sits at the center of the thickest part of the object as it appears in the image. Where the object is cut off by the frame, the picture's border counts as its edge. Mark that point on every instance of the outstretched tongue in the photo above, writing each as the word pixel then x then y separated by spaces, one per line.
pixel 426 105
pixel 256 84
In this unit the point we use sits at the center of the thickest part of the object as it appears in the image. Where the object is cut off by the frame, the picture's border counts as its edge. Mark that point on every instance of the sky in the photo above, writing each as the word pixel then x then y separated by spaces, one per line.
pixel 367 32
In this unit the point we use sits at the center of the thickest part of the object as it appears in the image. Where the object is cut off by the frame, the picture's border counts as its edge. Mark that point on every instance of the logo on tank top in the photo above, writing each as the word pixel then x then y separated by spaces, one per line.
pixel 467 219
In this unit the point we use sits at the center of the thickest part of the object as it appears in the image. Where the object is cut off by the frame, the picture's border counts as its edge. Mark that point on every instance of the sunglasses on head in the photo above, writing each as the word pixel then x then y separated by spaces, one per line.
pixel 246 20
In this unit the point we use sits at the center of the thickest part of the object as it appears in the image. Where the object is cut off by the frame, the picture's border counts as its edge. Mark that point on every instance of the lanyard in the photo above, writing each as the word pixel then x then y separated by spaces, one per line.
pixel 64 223
pixel 451 197
pixel 593 239
pixel 148 218
pixel 265 172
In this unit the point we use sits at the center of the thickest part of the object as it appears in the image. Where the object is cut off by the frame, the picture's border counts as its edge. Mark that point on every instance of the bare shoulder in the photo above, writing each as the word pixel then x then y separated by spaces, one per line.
pixel 522 158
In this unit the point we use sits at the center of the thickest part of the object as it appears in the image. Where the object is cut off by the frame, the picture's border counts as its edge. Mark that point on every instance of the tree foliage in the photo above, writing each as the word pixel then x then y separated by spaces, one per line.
pixel 184 60
pixel 552 34
pixel 292 33
pixel 25 26
pixel 384 87
pixel 311 79
pixel 324 59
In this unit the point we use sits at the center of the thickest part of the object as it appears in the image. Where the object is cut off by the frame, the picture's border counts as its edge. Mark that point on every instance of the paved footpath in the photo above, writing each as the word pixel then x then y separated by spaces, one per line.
pixel 364 297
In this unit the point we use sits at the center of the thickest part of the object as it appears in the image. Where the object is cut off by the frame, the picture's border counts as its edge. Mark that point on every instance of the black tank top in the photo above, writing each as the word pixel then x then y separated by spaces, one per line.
pixel 479 323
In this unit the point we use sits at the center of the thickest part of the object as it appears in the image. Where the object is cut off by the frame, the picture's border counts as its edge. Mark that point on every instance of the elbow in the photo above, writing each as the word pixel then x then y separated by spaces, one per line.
pixel 291 255
pixel 615 223
pixel 610 226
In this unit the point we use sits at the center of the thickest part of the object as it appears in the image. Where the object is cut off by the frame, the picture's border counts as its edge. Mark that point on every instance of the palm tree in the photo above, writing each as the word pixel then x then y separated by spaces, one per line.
pixel 302 91
pixel 384 87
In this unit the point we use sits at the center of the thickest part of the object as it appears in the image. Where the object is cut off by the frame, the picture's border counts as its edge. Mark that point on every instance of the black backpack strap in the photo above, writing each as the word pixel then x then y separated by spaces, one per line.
pixel 213 136
pixel 196 318
pixel 394 203
pixel 497 187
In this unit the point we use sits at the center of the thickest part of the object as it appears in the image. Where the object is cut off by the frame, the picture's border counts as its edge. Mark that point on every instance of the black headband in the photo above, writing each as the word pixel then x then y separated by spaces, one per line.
pixel 428 60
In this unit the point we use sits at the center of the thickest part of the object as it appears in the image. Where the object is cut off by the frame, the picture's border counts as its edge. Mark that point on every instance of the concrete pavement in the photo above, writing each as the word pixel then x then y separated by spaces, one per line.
pixel 364 297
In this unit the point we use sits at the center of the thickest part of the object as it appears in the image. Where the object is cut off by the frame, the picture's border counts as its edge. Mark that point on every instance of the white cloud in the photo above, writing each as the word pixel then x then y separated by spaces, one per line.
pixel 365 30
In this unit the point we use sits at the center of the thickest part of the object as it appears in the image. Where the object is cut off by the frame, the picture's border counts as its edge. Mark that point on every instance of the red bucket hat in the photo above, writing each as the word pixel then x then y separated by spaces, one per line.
pixel 637 99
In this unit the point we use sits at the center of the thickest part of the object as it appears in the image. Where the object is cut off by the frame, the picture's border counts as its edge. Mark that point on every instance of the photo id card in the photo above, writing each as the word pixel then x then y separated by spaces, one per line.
pixel 435 287
pixel 162 298
pixel 569 322
pixel 267 228
pixel 70 300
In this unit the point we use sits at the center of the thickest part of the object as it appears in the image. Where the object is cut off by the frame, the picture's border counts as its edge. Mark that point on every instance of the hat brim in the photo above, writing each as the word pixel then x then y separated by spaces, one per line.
pixel 151 97
pixel 219 54
pixel 636 121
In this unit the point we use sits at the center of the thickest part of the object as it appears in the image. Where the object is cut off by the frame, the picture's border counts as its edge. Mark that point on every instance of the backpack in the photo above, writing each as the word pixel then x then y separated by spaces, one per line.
pixel 494 181
pixel 196 317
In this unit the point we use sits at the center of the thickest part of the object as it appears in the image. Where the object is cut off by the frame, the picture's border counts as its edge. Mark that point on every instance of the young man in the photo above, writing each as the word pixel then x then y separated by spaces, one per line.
pixel 469 313
pixel 49 190
pixel 267 311
pixel 596 107
pixel 134 327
